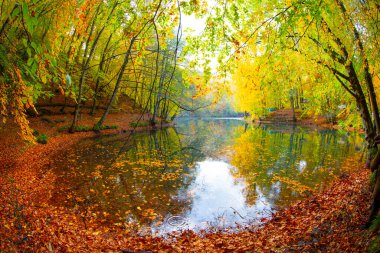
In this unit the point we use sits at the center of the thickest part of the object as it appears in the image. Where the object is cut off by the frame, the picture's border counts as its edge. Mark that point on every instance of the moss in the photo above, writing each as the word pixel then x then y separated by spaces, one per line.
pixel 375 243
pixel 372 178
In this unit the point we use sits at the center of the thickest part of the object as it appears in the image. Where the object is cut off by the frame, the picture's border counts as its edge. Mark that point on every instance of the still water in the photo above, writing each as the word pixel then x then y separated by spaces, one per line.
pixel 202 174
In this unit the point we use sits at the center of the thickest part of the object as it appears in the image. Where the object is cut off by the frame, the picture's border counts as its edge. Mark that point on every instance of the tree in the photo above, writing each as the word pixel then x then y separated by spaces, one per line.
pixel 336 35
pixel 30 37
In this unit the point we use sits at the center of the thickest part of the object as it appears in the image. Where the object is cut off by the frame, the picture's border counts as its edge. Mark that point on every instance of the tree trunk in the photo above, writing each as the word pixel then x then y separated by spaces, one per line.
pixel 99 72
pixel 373 100
pixel 160 88
pixel 362 105
pixel 85 62
pixel 375 200
pixel 292 104
pixel 367 74
pixel 116 89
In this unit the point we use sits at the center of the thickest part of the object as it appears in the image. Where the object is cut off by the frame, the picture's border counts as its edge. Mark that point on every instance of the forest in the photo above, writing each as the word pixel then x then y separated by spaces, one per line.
pixel 189 126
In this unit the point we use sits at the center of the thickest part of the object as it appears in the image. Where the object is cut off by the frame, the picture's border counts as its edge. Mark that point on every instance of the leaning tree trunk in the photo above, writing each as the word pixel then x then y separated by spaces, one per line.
pixel 362 105
pixel 85 62
pixel 371 141
pixel 122 69
pixel 376 199
pixel 100 71
pixel 292 102
pixel 375 205
pixel 117 85
pixel 160 88
pixel 367 75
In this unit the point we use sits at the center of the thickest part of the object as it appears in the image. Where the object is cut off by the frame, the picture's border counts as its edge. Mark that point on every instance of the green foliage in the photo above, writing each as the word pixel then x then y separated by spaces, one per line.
pixel 372 178
pixel 341 124
pixel 372 152
pixel 42 139
pixel 80 128
pixel 374 246
pixel 63 128
pixel 104 127
pixel 139 124
pixel 83 128
pixel 376 223
pixel 35 133
pixel 375 243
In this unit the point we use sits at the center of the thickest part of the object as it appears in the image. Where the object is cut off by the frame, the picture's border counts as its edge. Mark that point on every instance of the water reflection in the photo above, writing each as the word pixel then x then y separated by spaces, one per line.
pixel 201 174
pixel 219 200
pixel 299 159
pixel 219 195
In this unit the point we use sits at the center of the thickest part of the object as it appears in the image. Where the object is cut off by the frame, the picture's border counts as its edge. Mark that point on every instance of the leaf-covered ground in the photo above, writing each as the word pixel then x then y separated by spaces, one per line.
pixel 329 221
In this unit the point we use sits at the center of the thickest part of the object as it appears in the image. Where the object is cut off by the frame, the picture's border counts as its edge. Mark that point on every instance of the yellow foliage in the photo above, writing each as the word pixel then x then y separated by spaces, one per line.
pixel 297 186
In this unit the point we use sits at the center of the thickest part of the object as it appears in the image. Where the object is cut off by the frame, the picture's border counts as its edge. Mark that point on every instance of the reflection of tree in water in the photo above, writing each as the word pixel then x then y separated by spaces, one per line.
pixel 283 162
pixel 147 178
pixel 143 183
pixel 210 136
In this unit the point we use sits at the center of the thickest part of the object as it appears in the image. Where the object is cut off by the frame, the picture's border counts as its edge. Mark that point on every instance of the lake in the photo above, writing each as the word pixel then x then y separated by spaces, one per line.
pixel 210 174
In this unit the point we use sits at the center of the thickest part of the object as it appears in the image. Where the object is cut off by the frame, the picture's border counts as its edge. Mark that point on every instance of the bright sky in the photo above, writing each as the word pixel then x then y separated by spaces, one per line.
pixel 190 22
pixel 194 26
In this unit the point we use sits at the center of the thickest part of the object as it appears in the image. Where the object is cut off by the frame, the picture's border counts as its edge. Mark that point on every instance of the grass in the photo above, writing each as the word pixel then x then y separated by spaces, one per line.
pixel 104 127
pixel 84 128
pixel 139 124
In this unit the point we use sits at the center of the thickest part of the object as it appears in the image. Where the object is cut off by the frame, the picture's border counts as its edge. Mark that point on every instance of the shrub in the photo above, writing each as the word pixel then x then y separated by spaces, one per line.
pixel 43 139
pixel 35 133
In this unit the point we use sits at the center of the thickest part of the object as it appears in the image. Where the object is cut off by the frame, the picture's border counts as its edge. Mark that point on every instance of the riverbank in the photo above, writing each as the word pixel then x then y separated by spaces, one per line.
pixel 27 219
pixel 285 116
pixel 54 124
pixel 327 221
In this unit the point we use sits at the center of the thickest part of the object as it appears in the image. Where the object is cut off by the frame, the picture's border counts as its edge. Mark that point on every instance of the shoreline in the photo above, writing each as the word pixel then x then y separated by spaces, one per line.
pixel 300 226
pixel 306 123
